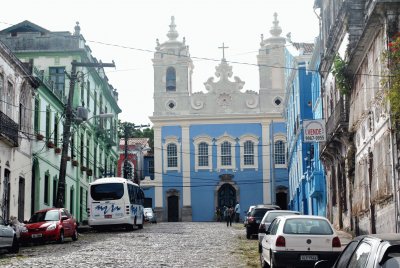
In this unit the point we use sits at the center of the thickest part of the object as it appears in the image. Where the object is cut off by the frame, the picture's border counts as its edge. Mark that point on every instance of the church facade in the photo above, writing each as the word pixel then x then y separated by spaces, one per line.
pixel 220 146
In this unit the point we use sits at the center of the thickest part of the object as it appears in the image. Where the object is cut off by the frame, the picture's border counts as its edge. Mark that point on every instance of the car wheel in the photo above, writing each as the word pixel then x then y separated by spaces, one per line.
pixel 61 238
pixel 264 264
pixel 75 235
pixel 15 246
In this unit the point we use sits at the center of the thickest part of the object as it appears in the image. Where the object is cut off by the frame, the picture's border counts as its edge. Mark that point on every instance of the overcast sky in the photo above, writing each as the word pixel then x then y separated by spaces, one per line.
pixel 131 26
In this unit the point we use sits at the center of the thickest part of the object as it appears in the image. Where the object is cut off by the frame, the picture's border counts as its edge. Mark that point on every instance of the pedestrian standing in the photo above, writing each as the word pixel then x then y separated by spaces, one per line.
pixel 229 216
pixel 237 212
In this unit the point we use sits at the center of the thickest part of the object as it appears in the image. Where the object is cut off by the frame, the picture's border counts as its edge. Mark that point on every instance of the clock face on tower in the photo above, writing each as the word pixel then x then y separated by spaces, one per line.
pixel 224 99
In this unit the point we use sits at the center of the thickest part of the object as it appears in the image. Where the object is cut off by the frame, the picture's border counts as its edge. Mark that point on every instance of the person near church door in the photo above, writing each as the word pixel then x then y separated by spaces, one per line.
pixel 237 212
pixel 229 216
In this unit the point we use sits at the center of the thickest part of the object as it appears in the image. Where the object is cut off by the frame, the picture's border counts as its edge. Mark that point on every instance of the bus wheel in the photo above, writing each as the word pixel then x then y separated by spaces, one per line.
pixel 140 226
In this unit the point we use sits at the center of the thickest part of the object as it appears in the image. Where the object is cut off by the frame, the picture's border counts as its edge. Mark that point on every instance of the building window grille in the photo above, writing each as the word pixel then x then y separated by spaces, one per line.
pixel 248 153
pixel 279 153
pixel 203 154
pixel 172 155
pixel 226 154
pixel 57 77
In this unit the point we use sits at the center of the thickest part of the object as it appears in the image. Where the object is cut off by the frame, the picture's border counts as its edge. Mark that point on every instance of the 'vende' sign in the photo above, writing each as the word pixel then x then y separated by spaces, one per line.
pixel 314 130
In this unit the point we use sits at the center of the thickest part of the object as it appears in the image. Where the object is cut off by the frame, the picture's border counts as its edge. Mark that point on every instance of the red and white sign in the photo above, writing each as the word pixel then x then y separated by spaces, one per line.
pixel 314 130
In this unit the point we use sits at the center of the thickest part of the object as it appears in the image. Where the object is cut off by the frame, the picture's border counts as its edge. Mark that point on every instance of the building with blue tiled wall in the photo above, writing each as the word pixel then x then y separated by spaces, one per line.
pixel 303 103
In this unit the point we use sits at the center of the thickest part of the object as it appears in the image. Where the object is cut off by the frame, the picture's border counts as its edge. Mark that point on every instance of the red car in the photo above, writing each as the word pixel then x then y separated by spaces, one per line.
pixel 51 224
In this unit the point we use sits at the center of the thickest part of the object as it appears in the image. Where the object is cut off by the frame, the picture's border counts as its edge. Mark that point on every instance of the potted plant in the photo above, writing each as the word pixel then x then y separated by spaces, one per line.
pixel 89 172
pixel 57 150
pixel 50 144
pixel 75 163
pixel 83 168
pixel 68 158
pixel 39 136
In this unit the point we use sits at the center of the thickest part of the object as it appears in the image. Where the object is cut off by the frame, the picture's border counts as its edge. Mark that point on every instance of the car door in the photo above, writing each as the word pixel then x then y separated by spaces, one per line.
pixel 269 239
pixel 66 223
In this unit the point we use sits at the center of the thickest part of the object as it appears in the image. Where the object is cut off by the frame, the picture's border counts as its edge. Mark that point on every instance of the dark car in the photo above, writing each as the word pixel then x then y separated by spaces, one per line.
pixel 254 218
pixel 374 250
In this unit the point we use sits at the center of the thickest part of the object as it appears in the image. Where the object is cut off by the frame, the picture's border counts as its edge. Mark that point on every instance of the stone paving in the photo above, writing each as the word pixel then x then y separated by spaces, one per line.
pixel 181 244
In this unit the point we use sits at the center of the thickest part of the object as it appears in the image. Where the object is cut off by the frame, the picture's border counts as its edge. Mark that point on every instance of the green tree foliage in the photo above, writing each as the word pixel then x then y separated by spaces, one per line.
pixel 134 131
pixel 342 80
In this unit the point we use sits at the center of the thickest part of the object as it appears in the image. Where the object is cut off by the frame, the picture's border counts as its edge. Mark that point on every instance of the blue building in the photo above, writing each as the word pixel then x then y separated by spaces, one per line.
pixel 214 148
pixel 299 107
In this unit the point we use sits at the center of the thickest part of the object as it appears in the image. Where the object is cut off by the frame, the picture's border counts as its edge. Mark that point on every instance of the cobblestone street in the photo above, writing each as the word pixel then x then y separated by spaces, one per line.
pixel 180 244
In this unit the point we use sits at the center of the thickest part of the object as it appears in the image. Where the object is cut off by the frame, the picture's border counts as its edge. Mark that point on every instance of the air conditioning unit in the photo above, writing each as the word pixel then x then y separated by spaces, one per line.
pixel 82 113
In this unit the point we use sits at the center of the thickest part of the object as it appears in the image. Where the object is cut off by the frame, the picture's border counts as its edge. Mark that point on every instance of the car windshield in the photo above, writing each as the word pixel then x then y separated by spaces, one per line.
pixel 271 216
pixel 307 226
pixel 50 215
pixel 107 191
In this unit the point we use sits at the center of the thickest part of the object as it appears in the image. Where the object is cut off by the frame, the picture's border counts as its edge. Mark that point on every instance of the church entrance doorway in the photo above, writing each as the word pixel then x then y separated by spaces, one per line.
pixel 173 208
pixel 226 196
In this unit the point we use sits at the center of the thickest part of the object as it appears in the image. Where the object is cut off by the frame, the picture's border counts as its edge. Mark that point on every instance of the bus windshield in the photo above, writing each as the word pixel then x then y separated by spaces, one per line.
pixel 107 191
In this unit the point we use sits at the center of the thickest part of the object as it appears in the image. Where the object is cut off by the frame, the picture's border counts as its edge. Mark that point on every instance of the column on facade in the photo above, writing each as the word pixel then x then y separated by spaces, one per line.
pixel 158 196
pixel 266 140
pixel 186 166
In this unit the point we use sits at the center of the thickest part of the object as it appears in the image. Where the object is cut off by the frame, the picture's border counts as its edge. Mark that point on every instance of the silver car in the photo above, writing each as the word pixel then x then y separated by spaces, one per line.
pixel 8 237
pixel 149 215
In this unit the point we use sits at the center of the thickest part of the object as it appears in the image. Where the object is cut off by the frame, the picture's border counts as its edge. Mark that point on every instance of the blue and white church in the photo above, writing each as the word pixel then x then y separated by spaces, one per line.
pixel 221 145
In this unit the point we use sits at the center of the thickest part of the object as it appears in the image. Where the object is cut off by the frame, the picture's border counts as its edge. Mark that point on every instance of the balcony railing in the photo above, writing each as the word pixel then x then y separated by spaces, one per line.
pixel 339 119
pixel 9 129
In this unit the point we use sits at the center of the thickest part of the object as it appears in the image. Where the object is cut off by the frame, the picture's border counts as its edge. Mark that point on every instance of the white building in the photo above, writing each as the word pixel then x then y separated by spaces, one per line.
pixel 16 98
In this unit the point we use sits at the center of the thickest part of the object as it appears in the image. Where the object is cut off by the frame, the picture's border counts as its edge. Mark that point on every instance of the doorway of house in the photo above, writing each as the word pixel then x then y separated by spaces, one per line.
pixel 226 196
pixel 173 208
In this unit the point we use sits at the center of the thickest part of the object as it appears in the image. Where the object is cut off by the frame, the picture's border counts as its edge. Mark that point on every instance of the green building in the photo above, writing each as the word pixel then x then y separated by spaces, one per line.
pixel 93 145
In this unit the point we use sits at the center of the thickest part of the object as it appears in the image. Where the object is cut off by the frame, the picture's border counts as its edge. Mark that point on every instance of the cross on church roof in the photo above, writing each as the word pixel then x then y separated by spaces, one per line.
pixel 223 50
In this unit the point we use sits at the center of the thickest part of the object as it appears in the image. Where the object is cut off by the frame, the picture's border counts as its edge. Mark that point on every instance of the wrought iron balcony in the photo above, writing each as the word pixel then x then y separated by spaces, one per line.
pixel 339 119
pixel 9 129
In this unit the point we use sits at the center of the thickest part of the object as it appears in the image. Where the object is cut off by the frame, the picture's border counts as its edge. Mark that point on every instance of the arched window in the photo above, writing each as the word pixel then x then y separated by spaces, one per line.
pixel 171 79
pixel 248 153
pixel 172 155
pixel 226 154
pixel 203 154
pixel 279 153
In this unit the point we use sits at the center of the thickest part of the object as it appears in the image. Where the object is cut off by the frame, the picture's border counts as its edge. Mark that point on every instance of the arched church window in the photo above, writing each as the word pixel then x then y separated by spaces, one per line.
pixel 171 79
pixel 172 155
pixel 203 154
pixel 226 154
pixel 279 153
pixel 248 153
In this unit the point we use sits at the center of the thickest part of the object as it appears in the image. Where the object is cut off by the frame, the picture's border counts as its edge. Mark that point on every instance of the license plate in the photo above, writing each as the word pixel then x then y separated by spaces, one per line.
pixel 108 216
pixel 36 235
pixel 308 257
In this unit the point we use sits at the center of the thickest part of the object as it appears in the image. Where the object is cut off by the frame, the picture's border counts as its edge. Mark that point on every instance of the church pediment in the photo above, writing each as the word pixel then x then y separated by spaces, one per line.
pixel 224 85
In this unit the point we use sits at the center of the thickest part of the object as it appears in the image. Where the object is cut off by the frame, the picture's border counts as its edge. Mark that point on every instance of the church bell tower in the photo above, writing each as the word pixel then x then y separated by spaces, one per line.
pixel 173 69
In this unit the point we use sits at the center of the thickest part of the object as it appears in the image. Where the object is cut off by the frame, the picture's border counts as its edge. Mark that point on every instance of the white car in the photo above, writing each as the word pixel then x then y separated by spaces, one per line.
pixel 267 220
pixel 299 240
pixel 8 237
pixel 149 215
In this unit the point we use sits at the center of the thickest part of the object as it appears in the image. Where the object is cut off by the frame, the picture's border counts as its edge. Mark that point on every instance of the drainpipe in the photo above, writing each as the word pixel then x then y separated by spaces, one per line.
pixel 394 164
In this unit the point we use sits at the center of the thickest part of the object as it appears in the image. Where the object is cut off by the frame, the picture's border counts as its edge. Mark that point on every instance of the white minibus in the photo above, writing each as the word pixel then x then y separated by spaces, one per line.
pixel 115 202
